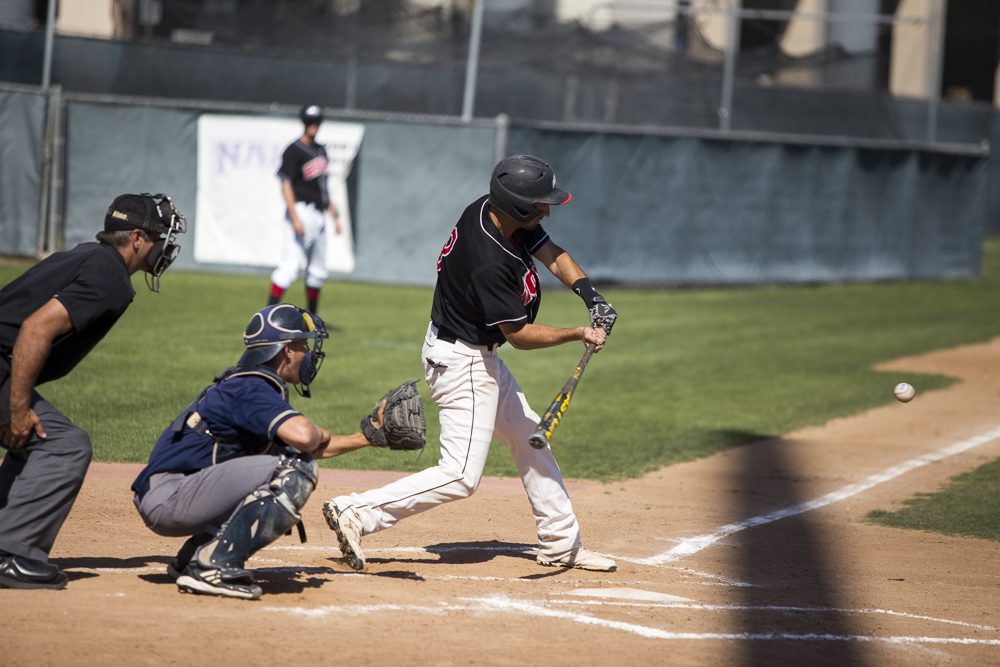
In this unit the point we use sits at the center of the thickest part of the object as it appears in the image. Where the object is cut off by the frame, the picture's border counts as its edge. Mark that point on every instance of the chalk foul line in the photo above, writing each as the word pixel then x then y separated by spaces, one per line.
pixel 693 545
pixel 500 603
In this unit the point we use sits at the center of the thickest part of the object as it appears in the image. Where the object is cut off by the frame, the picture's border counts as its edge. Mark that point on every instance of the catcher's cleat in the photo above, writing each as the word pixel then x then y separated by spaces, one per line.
pixel 175 569
pixel 230 582
pixel 21 572
pixel 581 558
pixel 348 532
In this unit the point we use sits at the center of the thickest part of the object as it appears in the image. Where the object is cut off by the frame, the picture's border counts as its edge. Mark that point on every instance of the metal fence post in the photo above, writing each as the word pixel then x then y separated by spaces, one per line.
pixel 500 148
pixel 50 29
pixel 56 236
pixel 729 66
pixel 935 54
pixel 472 62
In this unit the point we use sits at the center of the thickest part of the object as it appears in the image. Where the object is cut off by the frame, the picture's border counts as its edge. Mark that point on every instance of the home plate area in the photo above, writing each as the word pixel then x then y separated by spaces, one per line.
pixel 614 604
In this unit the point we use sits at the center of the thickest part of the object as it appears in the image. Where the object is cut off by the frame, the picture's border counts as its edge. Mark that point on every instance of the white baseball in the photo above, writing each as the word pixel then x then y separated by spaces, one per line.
pixel 904 392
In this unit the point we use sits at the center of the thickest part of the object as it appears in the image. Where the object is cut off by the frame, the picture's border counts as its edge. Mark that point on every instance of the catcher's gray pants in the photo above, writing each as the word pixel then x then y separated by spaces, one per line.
pixel 179 505
pixel 39 483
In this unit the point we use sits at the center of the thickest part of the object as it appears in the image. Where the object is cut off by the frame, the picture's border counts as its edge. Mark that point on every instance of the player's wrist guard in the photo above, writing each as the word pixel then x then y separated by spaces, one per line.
pixel 585 290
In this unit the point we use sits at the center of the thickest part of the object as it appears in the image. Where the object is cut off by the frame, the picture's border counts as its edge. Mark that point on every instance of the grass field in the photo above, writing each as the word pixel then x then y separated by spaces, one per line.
pixel 969 506
pixel 686 373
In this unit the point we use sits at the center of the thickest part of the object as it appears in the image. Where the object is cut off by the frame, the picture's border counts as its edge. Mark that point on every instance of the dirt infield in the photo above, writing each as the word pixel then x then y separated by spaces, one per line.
pixel 783 583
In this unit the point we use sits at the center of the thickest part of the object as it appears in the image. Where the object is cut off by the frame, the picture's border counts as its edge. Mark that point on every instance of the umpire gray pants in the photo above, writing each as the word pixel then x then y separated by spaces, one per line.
pixel 179 505
pixel 40 482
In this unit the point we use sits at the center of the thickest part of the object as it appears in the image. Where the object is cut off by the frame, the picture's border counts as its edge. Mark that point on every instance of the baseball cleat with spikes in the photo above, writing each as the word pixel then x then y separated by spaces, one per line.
pixel 348 531
pixel 227 582
pixel 581 558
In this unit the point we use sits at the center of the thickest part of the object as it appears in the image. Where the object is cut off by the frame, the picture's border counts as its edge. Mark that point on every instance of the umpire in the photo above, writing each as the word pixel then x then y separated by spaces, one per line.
pixel 50 318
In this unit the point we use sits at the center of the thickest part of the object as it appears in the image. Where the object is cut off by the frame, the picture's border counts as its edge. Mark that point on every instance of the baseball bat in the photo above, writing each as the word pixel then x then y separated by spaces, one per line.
pixel 540 438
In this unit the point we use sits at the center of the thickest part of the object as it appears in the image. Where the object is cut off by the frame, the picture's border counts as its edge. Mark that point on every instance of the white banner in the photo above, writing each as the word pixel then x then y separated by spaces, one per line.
pixel 240 208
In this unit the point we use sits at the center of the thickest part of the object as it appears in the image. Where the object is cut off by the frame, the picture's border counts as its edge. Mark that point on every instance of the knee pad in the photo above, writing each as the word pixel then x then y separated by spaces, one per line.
pixel 293 481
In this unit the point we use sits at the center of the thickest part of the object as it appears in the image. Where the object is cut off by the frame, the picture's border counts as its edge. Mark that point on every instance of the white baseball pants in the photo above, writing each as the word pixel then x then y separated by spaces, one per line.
pixel 310 247
pixel 477 398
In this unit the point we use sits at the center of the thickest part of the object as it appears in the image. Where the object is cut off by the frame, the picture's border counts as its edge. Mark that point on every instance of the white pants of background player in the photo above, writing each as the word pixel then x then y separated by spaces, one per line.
pixel 477 398
pixel 310 246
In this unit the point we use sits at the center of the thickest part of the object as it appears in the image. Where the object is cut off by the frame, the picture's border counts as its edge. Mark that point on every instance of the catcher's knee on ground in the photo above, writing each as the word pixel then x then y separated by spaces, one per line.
pixel 265 515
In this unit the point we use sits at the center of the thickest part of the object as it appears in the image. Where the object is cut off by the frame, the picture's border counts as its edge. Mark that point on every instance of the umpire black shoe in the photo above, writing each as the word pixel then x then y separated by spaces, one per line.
pixel 21 572
pixel 229 582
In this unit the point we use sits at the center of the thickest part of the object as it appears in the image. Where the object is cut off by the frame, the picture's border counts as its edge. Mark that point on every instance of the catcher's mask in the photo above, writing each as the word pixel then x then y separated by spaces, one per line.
pixel 272 328
pixel 521 181
pixel 157 215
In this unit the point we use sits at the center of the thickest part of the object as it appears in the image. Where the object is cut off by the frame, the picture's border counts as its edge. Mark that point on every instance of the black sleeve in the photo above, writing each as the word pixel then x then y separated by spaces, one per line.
pixel 290 164
pixel 533 239
pixel 96 290
pixel 499 294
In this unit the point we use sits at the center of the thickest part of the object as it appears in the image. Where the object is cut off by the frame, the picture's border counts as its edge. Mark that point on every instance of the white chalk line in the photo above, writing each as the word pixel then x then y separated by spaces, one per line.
pixel 775 608
pixel 693 545
pixel 505 604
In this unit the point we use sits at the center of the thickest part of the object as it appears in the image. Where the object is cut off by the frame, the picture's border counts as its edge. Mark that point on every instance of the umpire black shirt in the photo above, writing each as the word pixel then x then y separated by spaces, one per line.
pixel 485 279
pixel 93 284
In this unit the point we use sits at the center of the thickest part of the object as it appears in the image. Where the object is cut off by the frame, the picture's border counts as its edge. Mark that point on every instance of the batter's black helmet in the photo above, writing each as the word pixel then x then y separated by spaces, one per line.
pixel 521 181
pixel 311 113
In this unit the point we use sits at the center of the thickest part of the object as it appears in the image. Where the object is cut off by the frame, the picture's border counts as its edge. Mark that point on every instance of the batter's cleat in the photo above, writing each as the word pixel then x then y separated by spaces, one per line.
pixel 21 572
pixel 230 582
pixel 581 558
pixel 348 528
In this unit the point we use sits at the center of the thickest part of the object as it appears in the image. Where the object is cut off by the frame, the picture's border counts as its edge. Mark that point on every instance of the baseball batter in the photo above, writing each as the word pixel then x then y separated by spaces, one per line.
pixel 487 294
pixel 303 187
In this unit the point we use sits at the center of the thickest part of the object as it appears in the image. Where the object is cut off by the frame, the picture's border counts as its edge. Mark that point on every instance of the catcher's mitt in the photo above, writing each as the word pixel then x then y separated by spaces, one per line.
pixel 403 423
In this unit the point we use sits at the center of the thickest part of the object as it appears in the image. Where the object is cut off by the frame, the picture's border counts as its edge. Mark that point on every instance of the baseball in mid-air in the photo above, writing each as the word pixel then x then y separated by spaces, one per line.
pixel 904 392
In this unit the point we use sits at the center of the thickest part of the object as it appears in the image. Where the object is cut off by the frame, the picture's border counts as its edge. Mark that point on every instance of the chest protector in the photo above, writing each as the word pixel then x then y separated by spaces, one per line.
pixel 224 449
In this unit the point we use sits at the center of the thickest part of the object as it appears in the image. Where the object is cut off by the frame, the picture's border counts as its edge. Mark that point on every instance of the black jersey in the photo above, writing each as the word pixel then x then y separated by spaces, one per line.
pixel 485 279
pixel 93 284
pixel 304 166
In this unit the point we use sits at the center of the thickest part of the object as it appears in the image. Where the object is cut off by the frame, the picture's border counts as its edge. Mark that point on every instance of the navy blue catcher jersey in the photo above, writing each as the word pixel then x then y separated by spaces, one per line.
pixel 304 166
pixel 484 279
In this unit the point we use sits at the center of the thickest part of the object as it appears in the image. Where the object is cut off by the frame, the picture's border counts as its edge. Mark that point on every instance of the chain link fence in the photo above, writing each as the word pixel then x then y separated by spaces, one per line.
pixel 612 61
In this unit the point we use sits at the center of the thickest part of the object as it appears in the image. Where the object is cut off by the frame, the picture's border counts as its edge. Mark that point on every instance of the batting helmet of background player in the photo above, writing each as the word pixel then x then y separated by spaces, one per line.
pixel 274 327
pixel 521 181
pixel 311 113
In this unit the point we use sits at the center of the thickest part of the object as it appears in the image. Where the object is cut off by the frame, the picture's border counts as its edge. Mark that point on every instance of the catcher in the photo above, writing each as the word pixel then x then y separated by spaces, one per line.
pixel 234 469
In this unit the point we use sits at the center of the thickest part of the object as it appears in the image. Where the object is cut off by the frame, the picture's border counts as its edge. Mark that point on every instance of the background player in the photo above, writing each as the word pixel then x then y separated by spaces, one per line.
pixel 303 187
pixel 50 318
pixel 487 294
pixel 237 465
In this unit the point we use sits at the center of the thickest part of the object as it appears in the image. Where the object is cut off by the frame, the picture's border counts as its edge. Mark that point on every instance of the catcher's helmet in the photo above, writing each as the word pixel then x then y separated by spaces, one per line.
pixel 519 182
pixel 311 113
pixel 274 327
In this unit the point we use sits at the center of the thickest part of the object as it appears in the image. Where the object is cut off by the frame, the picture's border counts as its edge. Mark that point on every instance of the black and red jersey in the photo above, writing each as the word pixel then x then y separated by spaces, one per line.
pixel 485 279
pixel 305 167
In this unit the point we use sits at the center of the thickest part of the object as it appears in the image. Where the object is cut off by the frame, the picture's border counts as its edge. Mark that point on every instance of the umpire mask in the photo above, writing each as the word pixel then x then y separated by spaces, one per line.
pixel 165 250
pixel 272 328
pixel 157 215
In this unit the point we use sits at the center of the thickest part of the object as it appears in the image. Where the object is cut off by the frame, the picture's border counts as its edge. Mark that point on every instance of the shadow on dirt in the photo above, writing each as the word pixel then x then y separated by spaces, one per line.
pixel 786 563
pixel 465 553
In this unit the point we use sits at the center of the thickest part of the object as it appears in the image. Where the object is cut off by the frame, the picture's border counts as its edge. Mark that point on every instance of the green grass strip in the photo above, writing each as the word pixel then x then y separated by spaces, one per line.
pixel 969 506
pixel 685 374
